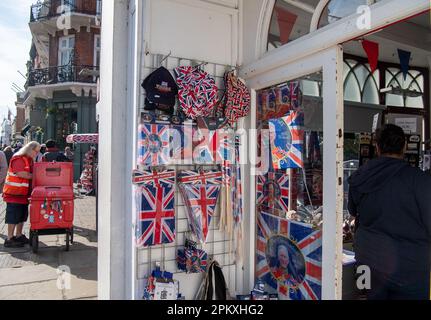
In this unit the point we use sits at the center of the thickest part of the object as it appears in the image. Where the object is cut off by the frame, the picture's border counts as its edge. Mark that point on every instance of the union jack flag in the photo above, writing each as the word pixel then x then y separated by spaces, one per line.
pixel 302 279
pixel 201 201
pixel 273 190
pixel 287 138
pixel 156 221
pixel 154 144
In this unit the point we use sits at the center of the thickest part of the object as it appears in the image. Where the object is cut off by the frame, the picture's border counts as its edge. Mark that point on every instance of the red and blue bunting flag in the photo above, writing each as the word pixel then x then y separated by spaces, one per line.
pixel 200 191
pixel 289 257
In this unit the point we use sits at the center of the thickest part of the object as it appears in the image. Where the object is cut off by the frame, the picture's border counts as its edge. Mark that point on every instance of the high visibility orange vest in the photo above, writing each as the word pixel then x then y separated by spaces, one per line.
pixel 14 185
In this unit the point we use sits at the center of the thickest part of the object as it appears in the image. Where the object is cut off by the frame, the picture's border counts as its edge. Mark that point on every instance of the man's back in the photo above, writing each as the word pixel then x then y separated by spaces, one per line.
pixel 392 206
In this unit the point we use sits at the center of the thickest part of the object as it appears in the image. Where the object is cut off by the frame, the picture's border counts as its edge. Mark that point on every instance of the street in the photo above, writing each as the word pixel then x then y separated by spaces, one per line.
pixel 28 276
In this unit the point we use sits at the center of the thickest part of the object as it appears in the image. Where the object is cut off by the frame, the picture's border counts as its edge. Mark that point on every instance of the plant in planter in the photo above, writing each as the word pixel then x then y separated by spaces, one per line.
pixel 51 111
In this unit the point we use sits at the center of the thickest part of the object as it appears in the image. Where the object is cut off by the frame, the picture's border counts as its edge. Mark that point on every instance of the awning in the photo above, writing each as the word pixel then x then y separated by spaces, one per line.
pixel 92 138
pixel 25 130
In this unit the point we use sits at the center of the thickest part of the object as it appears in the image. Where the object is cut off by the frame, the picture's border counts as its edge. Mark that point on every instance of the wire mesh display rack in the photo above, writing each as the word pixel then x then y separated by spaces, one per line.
pixel 218 246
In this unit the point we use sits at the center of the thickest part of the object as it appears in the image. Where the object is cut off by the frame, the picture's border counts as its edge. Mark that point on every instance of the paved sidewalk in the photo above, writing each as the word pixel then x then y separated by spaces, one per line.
pixel 28 276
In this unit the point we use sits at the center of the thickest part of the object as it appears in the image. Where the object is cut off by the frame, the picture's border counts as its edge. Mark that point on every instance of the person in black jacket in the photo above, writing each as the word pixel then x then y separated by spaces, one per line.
pixel 391 203
pixel 53 153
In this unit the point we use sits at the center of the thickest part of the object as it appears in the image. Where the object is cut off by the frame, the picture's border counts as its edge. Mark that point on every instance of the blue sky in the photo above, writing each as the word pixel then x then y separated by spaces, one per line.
pixel 15 43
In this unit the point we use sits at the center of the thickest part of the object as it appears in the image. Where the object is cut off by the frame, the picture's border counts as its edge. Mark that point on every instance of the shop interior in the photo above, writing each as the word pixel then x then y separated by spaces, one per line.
pixel 386 80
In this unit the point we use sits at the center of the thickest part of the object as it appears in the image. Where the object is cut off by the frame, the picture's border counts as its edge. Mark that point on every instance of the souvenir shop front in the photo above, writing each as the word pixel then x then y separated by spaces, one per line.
pixel 225 149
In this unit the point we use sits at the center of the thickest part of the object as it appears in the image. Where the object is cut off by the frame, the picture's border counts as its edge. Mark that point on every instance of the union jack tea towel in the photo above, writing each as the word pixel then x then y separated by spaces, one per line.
pixel 287 138
pixel 154 141
pixel 156 212
pixel 289 257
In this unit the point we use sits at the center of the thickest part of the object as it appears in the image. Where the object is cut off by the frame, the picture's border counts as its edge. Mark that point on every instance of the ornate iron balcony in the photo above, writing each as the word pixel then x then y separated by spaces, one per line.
pixel 47 9
pixel 61 74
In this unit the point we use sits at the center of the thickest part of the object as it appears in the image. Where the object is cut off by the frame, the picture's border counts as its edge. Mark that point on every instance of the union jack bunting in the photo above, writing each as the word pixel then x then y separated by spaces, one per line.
pixel 289 257
pixel 214 147
pixel 156 221
pixel 154 178
pixel 295 94
pixel 197 91
pixel 200 177
pixel 287 138
pixel 273 190
pixel 201 201
pixel 154 144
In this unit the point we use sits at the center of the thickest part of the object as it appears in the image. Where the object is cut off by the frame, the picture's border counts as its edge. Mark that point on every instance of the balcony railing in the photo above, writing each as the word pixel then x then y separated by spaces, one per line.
pixel 48 9
pixel 61 74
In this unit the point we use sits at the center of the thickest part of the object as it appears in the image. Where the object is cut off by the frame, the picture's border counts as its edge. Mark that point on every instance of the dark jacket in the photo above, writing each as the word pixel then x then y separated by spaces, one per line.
pixel 54 154
pixel 392 205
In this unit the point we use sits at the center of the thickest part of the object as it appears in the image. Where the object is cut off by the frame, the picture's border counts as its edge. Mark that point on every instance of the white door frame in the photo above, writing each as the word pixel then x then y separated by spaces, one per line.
pixel 330 62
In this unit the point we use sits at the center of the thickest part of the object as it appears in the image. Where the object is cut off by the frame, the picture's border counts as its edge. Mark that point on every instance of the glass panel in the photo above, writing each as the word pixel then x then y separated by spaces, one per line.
pixel 337 9
pixel 289 188
pixel 351 89
pixel 370 93
pixel 414 102
pixel 290 21
pixel 394 100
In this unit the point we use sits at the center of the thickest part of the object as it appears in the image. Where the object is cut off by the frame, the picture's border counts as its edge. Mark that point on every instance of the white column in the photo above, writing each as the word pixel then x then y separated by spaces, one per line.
pixel 333 131
pixel 114 255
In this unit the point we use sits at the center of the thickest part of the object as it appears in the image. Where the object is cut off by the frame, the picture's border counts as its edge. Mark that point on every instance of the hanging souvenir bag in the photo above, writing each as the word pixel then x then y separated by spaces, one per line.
pixel 237 98
pixel 191 259
pixel 197 92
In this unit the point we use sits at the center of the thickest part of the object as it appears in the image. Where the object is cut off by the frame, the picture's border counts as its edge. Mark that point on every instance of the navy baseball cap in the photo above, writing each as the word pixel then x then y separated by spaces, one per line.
pixel 161 90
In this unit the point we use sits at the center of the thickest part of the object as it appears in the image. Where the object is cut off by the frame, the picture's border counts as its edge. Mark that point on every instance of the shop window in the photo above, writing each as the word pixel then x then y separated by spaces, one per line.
pixel 289 190
pixel 408 92
pixel 360 85
pixel 290 21
pixel 65 121
pixel 338 9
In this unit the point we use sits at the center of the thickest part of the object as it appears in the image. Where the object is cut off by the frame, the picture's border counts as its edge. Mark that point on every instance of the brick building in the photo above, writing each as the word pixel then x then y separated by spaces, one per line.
pixel 60 96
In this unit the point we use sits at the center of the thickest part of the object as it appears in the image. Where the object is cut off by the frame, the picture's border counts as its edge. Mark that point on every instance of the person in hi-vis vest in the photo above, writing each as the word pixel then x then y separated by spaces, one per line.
pixel 16 192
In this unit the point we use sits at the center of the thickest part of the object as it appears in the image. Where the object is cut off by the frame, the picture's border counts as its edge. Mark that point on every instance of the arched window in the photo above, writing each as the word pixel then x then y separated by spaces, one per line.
pixel 290 20
pixel 360 85
pixel 407 92
pixel 338 9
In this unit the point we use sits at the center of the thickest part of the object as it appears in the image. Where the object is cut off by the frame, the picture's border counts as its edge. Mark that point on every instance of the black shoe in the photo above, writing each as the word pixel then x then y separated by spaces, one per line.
pixel 13 243
pixel 23 239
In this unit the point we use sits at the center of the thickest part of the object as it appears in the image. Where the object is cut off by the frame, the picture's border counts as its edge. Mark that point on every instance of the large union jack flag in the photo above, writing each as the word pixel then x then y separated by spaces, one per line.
pixel 287 138
pixel 156 212
pixel 154 144
pixel 302 279
pixel 273 190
